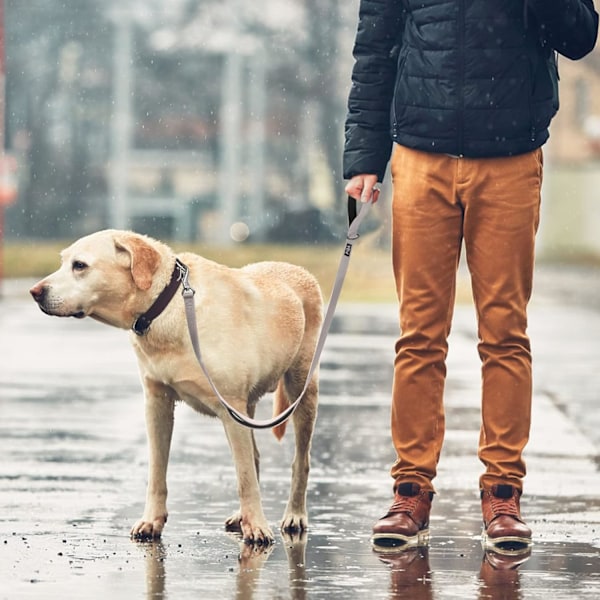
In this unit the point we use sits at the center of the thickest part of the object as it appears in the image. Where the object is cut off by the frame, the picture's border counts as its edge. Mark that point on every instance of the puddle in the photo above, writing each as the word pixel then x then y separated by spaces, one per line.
pixel 73 475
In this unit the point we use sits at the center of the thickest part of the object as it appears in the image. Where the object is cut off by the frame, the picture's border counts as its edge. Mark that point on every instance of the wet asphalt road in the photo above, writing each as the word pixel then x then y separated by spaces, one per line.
pixel 73 471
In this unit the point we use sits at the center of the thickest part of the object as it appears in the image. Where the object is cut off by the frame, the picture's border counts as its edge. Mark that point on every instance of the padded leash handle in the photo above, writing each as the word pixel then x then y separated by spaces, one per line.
pixel 352 210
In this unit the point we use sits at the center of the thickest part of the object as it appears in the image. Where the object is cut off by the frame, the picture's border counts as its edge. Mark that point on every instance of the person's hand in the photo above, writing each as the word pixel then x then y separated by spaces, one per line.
pixel 363 188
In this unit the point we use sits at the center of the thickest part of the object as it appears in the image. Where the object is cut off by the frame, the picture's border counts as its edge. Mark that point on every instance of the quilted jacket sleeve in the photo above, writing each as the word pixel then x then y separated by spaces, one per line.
pixel 569 26
pixel 367 131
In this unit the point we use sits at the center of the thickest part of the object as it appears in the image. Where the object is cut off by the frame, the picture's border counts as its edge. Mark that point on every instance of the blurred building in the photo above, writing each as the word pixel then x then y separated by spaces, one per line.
pixel 570 222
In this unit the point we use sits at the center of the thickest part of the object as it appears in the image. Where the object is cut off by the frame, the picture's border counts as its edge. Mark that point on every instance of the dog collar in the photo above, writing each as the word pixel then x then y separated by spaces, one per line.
pixel 143 322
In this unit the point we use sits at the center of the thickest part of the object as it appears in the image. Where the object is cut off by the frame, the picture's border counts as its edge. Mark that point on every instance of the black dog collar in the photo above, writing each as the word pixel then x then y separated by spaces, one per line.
pixel 143 322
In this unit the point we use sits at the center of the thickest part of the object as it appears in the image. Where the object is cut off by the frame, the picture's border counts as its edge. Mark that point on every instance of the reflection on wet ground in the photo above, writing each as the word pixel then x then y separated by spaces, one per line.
pixel 73 471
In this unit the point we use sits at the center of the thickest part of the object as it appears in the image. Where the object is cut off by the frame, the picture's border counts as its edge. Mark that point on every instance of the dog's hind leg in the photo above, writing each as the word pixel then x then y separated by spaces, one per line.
pixel 295 517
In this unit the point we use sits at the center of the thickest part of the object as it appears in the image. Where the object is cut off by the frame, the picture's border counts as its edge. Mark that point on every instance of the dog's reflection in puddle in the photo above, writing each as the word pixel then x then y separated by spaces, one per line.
pixel 251 560
pixel 295 549
pixel 155 554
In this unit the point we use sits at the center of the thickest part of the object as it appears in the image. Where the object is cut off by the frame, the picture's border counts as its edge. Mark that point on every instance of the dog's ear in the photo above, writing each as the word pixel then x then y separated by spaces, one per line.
pixel 143 258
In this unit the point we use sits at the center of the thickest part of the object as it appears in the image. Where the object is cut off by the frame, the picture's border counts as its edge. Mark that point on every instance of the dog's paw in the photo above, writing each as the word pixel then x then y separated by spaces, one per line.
pixel 252 530
pixel 234 522
pixel 257 533
pixel 294 523
pixel 145 529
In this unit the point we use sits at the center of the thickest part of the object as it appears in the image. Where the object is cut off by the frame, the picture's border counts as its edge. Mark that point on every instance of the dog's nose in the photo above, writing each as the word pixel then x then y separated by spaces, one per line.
pixel 37 291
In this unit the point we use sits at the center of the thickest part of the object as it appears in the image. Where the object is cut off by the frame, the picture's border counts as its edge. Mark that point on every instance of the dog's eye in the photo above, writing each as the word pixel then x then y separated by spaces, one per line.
pixel 78 265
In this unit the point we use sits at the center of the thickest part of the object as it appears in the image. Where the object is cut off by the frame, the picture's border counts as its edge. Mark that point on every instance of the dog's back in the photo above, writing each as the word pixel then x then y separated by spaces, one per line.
pixel 305 285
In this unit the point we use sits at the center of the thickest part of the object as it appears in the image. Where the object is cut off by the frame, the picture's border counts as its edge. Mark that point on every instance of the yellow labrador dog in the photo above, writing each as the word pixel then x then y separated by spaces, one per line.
pixel 258 326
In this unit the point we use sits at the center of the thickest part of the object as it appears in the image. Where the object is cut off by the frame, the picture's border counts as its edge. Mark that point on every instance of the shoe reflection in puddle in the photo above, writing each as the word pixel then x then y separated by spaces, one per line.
pixel 410 575
pixel 499 574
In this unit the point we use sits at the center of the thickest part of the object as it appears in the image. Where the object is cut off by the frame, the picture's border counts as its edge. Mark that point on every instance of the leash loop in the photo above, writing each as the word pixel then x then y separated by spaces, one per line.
pixel 190 312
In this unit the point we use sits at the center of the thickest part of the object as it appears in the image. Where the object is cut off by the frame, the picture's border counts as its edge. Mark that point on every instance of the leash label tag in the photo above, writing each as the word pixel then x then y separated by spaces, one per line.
pixel 348 250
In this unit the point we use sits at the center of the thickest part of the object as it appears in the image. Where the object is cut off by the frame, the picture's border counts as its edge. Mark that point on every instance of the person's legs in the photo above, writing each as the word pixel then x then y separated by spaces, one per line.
pixel 501 198
pixel 427 235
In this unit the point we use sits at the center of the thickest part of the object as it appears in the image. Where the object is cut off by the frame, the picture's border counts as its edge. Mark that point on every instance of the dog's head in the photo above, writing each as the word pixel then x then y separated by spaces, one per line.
pixel 106 275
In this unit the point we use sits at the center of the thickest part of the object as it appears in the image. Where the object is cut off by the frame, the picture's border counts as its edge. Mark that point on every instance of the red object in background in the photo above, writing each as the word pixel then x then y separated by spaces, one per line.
pixel 2 86
pixel 8 180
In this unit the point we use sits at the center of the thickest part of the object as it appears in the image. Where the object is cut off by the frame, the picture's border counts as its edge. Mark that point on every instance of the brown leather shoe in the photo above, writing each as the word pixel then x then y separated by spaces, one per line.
pixel 503 529
pixel 406 524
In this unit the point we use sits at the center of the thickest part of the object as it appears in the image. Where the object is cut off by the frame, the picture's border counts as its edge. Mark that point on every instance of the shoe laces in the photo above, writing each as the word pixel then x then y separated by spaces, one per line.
pixel 504 506
pixel 405 504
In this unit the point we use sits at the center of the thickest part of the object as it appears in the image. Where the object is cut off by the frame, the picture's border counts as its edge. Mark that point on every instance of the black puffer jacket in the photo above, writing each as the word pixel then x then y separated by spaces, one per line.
pixel 463 77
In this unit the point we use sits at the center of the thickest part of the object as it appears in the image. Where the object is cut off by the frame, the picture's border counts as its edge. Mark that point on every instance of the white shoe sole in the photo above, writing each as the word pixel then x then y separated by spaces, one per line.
pixel 396 542
pixel 508 545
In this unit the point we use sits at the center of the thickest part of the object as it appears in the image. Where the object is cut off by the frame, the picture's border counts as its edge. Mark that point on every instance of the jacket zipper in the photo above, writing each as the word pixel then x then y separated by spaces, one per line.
pixel 531 72
pixel 399 69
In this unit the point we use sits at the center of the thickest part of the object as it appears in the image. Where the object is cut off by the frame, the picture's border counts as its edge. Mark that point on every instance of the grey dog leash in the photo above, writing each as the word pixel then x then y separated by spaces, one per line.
pixel 190 312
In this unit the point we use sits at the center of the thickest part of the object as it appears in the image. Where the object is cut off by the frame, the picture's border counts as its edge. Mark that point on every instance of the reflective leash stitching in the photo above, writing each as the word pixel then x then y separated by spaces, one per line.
pixel 190 311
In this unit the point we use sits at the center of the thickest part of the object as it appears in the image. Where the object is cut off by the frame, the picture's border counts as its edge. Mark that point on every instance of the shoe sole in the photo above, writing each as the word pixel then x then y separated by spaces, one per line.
pixel 396 542
pixel 508 545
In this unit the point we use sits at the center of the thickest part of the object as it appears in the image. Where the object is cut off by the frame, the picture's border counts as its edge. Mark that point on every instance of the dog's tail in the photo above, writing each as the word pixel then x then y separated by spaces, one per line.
pixel 280 403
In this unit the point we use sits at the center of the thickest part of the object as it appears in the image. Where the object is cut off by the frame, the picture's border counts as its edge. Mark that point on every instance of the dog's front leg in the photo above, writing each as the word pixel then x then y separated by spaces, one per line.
pixel 252 521
pixel 160 405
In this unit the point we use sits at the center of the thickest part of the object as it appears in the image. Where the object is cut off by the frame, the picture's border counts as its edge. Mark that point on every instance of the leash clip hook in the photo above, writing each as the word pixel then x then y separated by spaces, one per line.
pixel 184 276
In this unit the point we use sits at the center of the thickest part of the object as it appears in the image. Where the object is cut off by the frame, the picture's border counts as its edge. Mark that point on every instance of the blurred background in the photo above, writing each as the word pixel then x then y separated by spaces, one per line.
pixel 177 118
pixel 220 122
